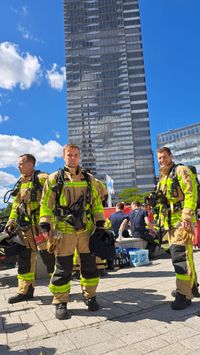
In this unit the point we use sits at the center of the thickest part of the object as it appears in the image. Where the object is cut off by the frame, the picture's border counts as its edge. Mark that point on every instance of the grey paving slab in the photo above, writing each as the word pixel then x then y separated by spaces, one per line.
pixel 103 347
pixel 192 343
pixel 135 318
pixel 175 335
pixel 54 326
pixel 91 336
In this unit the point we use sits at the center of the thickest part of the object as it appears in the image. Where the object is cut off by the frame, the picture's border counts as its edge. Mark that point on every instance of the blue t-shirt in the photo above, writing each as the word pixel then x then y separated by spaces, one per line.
pixel 116 219
pixel 137 220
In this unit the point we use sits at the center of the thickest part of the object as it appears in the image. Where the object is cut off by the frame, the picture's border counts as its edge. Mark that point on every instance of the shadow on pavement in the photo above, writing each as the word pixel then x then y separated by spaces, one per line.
pixel 145 274
pixel 142 304
pixel 7 279
pixel 31 351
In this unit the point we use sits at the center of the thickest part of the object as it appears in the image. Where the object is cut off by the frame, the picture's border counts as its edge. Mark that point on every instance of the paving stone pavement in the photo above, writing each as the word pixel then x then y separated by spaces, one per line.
pixel 135 317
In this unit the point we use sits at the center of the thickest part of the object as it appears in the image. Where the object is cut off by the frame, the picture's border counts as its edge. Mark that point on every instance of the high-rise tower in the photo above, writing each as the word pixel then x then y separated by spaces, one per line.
pixel 106 90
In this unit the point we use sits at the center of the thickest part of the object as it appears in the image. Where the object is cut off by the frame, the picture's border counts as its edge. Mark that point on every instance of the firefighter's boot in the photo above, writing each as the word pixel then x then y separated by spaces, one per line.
pixel 92 304
pixel 195 290
pixel 181 302
pixel 61 311
pixel 20 297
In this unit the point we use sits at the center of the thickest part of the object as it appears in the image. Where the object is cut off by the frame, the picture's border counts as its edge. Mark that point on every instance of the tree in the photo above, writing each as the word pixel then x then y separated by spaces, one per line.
pixel 132 194
pixel 4 212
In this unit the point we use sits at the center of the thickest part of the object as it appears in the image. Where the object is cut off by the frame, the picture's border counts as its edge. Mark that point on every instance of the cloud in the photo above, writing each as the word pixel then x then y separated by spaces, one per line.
pixel 25 32
pixel 24 11
pixel 3 118
pixel 16 68
pixel 6 179
pixel 12 147
pixel 56 80
pixel 6 182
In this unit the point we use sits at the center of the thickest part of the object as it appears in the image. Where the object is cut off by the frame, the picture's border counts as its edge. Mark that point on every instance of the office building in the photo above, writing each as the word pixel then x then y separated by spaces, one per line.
pixel 106 90
pixel 184 144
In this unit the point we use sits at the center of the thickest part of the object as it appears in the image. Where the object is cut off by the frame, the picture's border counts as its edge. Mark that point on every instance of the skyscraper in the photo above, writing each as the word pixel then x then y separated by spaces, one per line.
pixel 184 144
pixel 106 90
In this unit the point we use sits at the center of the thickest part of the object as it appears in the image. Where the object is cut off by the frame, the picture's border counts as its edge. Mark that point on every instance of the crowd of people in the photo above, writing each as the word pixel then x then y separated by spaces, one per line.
pixel 56 215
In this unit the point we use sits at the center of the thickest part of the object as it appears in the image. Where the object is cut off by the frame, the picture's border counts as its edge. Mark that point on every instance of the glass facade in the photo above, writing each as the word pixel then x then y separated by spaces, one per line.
pixel 184 144
pixel 106 90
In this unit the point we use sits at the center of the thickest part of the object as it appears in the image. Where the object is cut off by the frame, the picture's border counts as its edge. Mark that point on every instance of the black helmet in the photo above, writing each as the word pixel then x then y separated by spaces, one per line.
pixel 11 244
pixel 102 243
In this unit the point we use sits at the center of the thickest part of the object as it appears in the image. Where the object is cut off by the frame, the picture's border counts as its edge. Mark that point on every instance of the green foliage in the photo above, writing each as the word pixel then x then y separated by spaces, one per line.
pixel 4 212
pixel 132 194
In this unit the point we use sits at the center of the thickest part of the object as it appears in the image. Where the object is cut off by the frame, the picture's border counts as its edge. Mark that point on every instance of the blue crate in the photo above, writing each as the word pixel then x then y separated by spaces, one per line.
pixel 139 257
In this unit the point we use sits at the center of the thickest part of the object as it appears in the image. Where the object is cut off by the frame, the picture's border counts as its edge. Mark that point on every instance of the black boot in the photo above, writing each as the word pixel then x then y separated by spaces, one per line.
pixel 195 290
pixel 61 311
pixel 181 302
pixel 92 304
pixel 19 297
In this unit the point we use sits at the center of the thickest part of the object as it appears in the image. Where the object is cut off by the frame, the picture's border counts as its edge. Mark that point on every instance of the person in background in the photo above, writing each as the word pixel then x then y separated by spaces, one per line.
pixel 117 218
pixel 141 227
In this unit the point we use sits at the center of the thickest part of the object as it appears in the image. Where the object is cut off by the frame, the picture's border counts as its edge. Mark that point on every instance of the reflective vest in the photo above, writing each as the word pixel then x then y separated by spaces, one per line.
pixel 74 186
pixel 28 195
pixel 182 203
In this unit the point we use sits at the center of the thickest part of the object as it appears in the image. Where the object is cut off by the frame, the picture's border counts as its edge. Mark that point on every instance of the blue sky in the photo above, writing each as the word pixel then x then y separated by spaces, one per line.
pixel 33 113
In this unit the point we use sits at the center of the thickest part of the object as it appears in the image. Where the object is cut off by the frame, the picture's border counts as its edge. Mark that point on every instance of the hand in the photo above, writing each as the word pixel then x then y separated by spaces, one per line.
pixel 46 235
pixel 9 228
pixel 120 234
pixel 187 225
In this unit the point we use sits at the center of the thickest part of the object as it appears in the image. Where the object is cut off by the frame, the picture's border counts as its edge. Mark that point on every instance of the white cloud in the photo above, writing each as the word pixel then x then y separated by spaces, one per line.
pixel 24 11
pixel 6 183
pixel 6 179
pixel 12 147
pixel 3 118
pixel 56 80
pixel 25 32
pixel 16 68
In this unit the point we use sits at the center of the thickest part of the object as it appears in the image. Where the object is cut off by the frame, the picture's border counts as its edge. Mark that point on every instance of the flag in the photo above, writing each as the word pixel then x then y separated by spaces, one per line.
pixel 110 183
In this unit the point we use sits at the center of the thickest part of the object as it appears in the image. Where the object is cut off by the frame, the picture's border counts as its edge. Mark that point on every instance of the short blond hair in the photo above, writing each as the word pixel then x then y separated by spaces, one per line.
pixel 164 149
pixel 70 146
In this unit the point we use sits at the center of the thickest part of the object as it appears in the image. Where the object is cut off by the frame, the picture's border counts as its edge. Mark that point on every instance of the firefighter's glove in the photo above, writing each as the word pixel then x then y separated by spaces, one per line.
pixel 100 224
pixel 51 245
pixel 45 227
pixel 10 227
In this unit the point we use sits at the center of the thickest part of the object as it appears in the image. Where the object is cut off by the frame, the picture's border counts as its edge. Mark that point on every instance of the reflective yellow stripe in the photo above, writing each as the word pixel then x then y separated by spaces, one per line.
pixel 44 209
pixel 191 263
pixel 76 183
pixel 184 277
pixel 98 209
pixel 89 282
pixel 30 276
pixel 59 289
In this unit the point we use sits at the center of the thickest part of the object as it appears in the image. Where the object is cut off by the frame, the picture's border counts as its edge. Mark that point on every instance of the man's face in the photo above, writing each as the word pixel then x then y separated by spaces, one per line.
pixel 72 157
pixel 164 159
pixel 133 206
pixel 25 167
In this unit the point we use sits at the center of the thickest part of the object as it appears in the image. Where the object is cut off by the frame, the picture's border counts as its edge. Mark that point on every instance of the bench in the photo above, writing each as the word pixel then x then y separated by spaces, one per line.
pixel 131 243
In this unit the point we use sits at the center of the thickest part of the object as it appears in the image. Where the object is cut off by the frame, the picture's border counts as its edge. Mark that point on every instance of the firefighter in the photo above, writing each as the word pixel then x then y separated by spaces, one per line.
pixel 102 190
pixel 176 204
pixel 24 217
pixel 71 199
